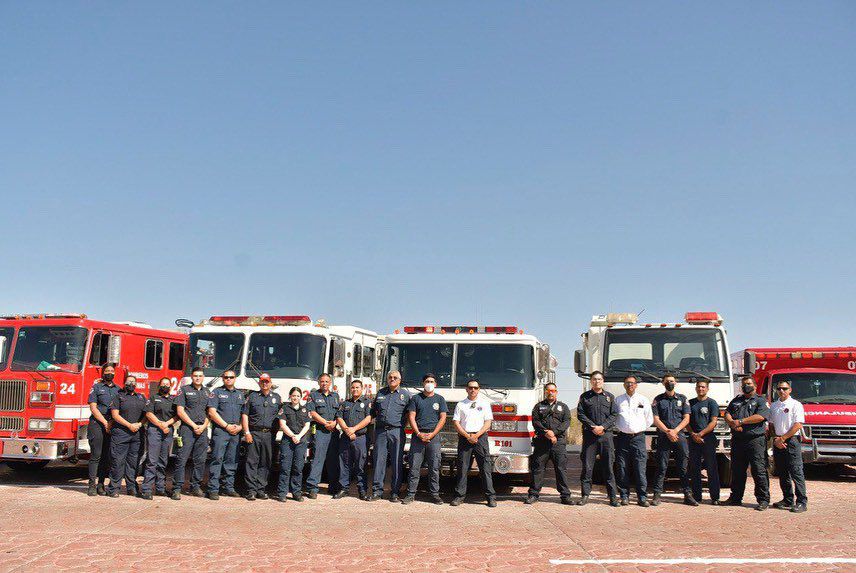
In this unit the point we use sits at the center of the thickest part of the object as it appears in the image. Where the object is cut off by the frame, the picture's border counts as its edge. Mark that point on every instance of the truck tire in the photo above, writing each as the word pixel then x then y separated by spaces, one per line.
pixel 27 467
pixel 724 471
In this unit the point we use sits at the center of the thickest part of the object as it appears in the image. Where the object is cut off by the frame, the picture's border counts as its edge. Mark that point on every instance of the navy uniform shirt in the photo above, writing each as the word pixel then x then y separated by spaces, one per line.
pixel 389 407
pixel 353 412
pixel 702 412
pixel 130 405
pixel 547 416
pixel 742 407
pixel 102 394
pixel 195 402
pixel 428 410
pixel 596 409
pixel 294 419
pixel 227 403
pixel 163 407
pixel 671 409
pixel 262 410
pixel 325 406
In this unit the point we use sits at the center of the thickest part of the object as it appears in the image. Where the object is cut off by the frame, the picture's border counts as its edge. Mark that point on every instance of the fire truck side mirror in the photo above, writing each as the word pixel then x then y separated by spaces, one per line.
pixel 749 363
pixel 114 349
pixel 579 361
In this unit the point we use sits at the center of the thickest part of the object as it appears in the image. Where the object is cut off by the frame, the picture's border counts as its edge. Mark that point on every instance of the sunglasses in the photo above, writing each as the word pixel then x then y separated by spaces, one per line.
pixel 229 377
pixel 472 387
pixel 783 389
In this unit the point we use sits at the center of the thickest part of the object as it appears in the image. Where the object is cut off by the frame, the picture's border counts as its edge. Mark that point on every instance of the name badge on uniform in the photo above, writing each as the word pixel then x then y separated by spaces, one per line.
pixel 320 400
pixel 381 398
pixel 436 406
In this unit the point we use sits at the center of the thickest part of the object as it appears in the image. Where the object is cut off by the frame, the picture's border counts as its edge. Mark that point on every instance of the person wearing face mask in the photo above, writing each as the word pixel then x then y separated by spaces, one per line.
pixel 224 410
pixel 388 412
pixel 127 410
pixel 427 413
pixel 322 406
pixel 551 420
pixel 353 417
pixel 259 420
pixel 294 423
pixel 747 414
pixel 160 412
pixel 597 412
pixel 634 418
pixel 704 412
pixel 98 430
pixel 191 405
pixel 786 420
pixel 671 416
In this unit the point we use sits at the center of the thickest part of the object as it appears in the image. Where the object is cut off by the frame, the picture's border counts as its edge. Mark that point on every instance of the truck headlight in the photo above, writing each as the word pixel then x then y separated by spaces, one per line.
pixel 503 426
pixel 41 424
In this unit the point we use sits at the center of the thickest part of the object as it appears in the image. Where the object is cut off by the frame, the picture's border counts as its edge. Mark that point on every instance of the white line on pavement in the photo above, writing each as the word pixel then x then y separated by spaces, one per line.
pixel 704 561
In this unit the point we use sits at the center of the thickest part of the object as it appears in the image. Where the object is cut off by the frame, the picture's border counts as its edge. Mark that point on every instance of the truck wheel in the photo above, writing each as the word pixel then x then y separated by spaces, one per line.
pixel 27 467
pixel 724 467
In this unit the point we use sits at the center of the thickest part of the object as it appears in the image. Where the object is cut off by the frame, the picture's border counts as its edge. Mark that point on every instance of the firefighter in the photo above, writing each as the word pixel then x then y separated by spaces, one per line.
pixel 704 412
pixel 472 419
pixel 160 412
pixel 191 404
pixel 551 420
pixel 631 455
pixel 322 405
pixel 224 410
pixel 597 412
pixel 786 420
pixel 127 411
pixel 98 431
pixel 388 410
pixel 427 414
pixel 259 419
pixel 353 418
pixel 746 415
pixel 294 423
pixel 671 416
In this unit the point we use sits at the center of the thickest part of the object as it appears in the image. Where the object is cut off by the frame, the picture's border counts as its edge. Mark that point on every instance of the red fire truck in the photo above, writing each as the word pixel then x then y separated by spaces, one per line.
pixel 48 364
pixel 824 380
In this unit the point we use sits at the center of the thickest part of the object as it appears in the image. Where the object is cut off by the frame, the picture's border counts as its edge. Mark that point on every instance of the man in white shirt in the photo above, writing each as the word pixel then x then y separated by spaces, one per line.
pixel 786 419
pixel 472 419
pixel 634 417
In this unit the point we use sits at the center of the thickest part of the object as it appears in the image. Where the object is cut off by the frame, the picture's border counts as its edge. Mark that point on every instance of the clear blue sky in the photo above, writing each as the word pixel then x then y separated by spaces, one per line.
pixel 383 164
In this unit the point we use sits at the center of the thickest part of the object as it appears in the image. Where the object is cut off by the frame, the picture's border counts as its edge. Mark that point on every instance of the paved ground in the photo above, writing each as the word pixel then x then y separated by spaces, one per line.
pixel 49 524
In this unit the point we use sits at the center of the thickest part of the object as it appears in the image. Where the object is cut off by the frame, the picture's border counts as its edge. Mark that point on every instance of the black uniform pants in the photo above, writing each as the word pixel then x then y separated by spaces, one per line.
pixel 484 461
pixel 195 447
pixel 749 453
pixel 543 451
pixel 124 456
pixel 594 446
pixel 665 446
pixel 99 448
pixel 631 458
pixel 789 463
pixel 259 457
pixel 704 456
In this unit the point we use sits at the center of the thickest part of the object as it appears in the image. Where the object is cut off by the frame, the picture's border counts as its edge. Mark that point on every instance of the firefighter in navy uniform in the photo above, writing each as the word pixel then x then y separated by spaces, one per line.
pixel 671 416
pixel 704 412
pixel 551 420
pixel 160 412
pixel 224 409
pixel 746 415
pixel 389 411
pixel 353 418
pixel 260 421
pixel 597 412
pixel 98 430
pixel 322 405
pixel 191 404
pixel 127 411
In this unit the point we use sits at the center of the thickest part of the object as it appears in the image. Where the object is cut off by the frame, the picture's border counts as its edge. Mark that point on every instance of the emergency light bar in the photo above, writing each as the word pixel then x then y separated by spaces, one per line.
pixel 702 318
pixel 462 330
pixel 621 318
pixel 40 316
pixel 804 355
pixel 259 320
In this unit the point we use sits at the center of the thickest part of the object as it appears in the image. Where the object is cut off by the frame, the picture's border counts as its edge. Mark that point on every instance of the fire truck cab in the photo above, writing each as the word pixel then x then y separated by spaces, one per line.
pixel 48 364
pixel 824 381
pixel 293 350
pixel 511 367
pixel 617 345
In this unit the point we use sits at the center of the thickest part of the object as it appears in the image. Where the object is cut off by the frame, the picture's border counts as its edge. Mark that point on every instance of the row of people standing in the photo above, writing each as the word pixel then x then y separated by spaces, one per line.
pixel 685 431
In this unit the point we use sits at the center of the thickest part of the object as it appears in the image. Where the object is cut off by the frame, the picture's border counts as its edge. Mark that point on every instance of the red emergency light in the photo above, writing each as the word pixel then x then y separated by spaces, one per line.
pixel 460 329
pixel 702 317
pixel 501 329
pixel 419 329
pixel 266 320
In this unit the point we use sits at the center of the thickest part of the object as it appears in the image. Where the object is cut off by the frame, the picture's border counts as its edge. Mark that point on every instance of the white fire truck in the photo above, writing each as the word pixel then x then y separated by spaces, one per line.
pixel 293 350
pixel 617 345
pixel 512 369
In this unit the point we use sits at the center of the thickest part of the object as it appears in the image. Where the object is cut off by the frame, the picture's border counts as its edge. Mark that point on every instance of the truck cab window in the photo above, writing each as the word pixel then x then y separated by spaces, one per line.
pixel 176 356
pixel 154 354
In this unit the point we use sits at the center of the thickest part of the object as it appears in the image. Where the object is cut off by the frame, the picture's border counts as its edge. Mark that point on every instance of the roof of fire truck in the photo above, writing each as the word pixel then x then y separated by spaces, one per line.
pixel 276 323
pixel 462 333
pixel 79 319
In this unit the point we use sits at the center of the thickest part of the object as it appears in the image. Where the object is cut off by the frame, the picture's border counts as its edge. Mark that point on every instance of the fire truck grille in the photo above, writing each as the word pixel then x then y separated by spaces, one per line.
pixel 448 435
pixel 845 433
pixel 11 423
pixel 13 395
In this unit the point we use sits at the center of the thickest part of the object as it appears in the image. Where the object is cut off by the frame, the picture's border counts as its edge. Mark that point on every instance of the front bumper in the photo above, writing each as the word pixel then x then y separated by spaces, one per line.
pixel 503 463
pixel 35 449
pixel 824 453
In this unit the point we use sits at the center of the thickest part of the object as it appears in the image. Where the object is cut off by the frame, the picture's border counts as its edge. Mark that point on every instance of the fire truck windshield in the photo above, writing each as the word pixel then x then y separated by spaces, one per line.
pixel 50 348
pixel 216 352
pixel 416 360
pixel 820 387
pixel 286 355
pixel 660 350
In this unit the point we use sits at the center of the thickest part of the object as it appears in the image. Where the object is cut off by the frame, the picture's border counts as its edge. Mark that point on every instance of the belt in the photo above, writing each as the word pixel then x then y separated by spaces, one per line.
pixel 389 427
pixel 259 429
pixel 632 435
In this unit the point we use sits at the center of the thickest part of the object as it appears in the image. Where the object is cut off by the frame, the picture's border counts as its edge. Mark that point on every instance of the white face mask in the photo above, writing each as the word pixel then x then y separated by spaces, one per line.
pixel 429 387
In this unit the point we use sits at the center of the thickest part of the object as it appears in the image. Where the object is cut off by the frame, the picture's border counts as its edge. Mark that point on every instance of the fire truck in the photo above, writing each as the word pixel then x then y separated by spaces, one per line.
pixel 48 364
pixel 512 369
pixel 824 380
pixel 293 350
pixel 617 345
